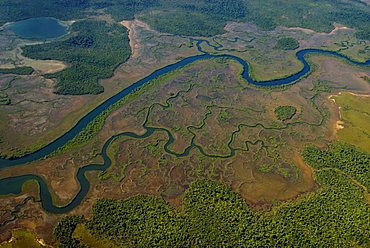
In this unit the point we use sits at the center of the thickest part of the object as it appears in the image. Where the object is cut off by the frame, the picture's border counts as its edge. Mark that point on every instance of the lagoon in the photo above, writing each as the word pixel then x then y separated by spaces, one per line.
pixel 38 28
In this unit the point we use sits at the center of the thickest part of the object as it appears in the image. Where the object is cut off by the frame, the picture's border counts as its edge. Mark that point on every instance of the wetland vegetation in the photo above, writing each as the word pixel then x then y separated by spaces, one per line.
pixel 24 70
pixel 287 43
pixel 284 113
pixel 213 214
pixel 93 52
pixel 355 118
pixel 207 16
pixel 22 238
pixel 342 156
pixel 202 152
pixel 4 99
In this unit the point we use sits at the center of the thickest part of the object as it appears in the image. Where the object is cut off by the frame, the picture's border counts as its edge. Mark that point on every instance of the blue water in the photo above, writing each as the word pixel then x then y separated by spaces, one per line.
pixel 38 28
pixel 13 185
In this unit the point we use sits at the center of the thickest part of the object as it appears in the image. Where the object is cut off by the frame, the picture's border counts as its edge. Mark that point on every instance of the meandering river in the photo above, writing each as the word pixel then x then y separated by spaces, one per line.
pixel 13 185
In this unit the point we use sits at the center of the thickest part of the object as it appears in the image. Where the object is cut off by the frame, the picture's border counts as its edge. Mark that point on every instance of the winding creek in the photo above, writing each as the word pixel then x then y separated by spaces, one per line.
pixel 13 185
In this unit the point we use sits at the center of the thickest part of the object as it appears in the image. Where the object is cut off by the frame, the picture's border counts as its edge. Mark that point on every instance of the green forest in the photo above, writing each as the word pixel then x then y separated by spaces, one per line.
pixel 284 113
pixel 24 70
pixel 337 214
pixel 207 17
pixel 93 52
pixel 287 43
pixel 341 156
pixel 4 98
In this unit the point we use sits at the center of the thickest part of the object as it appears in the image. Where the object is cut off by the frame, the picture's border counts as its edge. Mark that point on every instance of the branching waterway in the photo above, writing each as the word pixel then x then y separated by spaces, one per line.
pixel 13 185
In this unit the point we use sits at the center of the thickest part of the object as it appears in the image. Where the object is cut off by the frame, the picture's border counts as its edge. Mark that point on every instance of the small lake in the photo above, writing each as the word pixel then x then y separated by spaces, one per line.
pixel 38 28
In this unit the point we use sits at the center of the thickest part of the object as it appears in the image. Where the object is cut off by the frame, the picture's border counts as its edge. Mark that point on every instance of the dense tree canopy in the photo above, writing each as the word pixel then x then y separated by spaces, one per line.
pixel 342 156
pixel 335 215
pixel 24 70
pixel 210 14
pixel 287 43
pixel 285 112
pixel 92 53
pixel 64 230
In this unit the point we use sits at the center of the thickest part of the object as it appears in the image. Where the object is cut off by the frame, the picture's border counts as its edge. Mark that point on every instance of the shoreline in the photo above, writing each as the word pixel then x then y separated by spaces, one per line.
pixel 339 124
pixel 132 37
pixel 310 31
pixel 43 66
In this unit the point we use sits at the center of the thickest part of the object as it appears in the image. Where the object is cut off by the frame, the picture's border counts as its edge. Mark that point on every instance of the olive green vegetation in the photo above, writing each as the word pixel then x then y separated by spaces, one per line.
pixel 316 15
pixel 183 23
pixel 93 52
pixel 336 215
pixel 14 10
pixel 210 16
pixel 287 43
pixel 127 9
pixel 90 131
pixel 21 239
pixel 113 149
pixel 81 233
pixel 24 70
pixel 284 113
pixel 93 128
pixel 63 231
pixel 195 18
pixel 4 98
pixel 366 78
pixel 355 114
pixel 342 156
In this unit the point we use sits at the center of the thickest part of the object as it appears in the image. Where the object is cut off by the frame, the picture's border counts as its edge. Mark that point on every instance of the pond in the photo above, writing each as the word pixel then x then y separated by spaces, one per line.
pixel 38 28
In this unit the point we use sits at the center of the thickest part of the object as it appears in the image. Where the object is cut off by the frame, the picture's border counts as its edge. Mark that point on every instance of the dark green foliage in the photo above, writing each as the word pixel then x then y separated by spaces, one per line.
pixel 312 14
pixel 4 98
pixel 184 23
pixel 337 215
pixel 92 54
pixel 24 70
pixel 14 10
pixel 264 22
pixel 285 112
pixel 93 128
pixel 196 18
pixel 213 14
pixel 366 78
pixel 220 8
pixel 363 35
pixel 287 43
pixel 140 221
pixel 216 216
pixel 82 41
pixel 353 17
pixel 126 9
pixel 209 14
pixel 144 221
pixel 342 156
pixel 64 230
